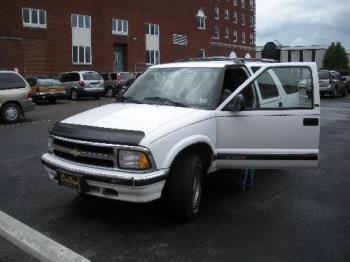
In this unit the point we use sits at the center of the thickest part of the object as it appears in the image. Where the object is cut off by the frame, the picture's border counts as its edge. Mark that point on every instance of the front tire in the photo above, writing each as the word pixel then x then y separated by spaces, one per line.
pixel 10 113
pixel 183 190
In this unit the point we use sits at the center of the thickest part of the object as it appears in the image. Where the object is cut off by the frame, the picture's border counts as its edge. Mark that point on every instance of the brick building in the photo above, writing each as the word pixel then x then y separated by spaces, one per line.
pixel 53 36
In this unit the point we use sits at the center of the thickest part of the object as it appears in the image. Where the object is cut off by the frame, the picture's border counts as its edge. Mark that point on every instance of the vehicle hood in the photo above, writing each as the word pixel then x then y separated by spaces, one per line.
pixel 127 116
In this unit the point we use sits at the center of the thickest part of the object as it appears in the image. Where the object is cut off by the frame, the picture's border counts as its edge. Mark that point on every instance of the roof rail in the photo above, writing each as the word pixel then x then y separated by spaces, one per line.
pixel 225 58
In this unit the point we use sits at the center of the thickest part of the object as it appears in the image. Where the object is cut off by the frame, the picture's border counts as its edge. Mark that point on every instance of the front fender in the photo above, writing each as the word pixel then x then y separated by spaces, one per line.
pixel 183 144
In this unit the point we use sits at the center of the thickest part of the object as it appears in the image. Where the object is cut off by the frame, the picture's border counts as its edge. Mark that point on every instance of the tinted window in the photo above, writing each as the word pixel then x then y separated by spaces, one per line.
pixel 323 75
pixel 114 76
pixel 74 77
pixel 11 81
pixel 91 76
pixel 104 76
pixel 49 82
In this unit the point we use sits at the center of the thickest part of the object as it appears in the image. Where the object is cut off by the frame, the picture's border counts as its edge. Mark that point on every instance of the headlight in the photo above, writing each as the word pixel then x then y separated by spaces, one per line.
pixel 50 145
pixel 137 160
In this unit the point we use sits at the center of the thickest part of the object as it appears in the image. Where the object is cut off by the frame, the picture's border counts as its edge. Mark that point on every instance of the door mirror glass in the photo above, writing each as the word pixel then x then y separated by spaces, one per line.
pixel 237 104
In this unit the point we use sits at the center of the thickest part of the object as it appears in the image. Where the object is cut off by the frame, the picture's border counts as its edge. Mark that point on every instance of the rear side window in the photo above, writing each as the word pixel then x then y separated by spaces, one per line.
pixel 91 76
pixel 11 81
pixel 49 82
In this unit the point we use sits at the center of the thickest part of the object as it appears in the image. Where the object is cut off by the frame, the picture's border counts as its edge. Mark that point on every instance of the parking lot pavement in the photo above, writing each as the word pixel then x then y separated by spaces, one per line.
pixel 291 215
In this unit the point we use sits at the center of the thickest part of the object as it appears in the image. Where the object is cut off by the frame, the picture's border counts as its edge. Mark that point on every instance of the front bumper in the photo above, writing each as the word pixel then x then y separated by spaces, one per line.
pixel 131 187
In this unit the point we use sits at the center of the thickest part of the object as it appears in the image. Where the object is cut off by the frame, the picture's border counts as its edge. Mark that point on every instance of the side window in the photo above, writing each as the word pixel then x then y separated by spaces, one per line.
pixel 267 86
pixel 75 77
pixel 286 88
pixel 11 81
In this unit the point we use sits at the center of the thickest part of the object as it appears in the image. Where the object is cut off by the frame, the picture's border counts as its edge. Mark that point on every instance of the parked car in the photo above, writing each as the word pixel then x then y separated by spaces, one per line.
pixel 331 83
pixel 47 89
pixel 82 84
pixel 116 81
pixel 179 122
pixel 15 96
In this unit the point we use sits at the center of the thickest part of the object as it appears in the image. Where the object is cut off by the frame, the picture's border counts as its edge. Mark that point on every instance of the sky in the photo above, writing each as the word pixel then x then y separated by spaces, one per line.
pixel 303 22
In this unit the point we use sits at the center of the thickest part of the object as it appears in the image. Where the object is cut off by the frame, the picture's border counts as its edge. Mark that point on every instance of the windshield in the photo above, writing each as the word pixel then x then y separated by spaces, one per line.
pixel 192 87
pixel 49 82
pixel 91 76
pixel 323 75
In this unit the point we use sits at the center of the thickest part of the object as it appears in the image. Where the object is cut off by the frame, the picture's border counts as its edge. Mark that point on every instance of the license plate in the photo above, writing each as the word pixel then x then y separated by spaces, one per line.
pixel 72 181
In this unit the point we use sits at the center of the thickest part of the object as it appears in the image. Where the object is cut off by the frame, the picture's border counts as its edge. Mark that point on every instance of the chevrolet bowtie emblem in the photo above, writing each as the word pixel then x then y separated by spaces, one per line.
pixel 75 152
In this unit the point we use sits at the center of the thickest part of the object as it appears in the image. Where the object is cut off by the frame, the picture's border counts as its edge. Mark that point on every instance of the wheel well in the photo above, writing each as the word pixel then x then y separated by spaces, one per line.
pixel 12 102
pixel 202 149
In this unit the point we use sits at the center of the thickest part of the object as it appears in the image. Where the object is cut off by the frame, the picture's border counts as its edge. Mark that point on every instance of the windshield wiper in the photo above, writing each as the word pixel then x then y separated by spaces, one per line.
pixel 165 101
pixel 128 99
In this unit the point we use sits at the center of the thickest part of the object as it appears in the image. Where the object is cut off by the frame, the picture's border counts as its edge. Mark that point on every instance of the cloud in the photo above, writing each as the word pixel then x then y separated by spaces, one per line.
pixel 300 22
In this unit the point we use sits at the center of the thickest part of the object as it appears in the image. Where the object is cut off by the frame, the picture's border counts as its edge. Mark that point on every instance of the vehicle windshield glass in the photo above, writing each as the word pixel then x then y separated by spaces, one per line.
pixel 191 87
pixel 91 76
pixel 323 75
pixel 49 82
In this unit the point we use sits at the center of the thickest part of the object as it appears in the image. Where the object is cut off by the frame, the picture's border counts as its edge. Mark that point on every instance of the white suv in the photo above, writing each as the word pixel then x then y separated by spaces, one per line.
pixel 181 121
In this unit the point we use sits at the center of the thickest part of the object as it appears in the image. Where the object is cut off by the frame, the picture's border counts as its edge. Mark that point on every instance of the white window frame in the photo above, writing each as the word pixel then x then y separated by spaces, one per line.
pixel 235 36
pixel 235 17
pixel 149 29
pixel 216 34
pixel 227 33
pixel 226 14
pixel 84 21
pixel 30 23
pixel 252 39
pixel 152 54
pixel 78 52
pixel 251 21
pixel 124 26
pixel 216 13
pixel 203 52
pixel 234 2
pixel 243 4
pixel 251 3
pixel 243 37
pixel 200 20
pixel 243 19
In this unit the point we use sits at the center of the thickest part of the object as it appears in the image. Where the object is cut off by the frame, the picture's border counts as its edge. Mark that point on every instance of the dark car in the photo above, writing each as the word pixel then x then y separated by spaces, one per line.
pixel 46 89
pixel 114 82
pixel 331 83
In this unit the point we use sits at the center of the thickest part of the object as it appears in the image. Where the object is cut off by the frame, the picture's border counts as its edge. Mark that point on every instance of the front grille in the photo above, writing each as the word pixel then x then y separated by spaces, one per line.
pixel 89 154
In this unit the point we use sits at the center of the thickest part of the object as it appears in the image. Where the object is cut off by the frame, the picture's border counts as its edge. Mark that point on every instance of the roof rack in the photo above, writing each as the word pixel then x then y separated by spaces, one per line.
pixel 225 58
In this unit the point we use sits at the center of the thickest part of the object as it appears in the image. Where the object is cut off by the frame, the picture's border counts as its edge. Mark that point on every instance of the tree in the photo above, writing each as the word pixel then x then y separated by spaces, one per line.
pixel 336 58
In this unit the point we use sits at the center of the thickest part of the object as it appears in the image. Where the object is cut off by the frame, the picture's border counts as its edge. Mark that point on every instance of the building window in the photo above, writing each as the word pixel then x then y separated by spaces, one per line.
pixel 216 12
pixel 152 57
pixel 226 14
pixel 301 56
pixel 251 39
pixel 120 27
pixel 243 19
pixel 81 21
pixel 235 2
pixel 34 18
pixel 235 38
pixel 243 37
pixel 242 3
pixel 251 21
pixel 227 34
pixel 152 29
pixel 201 53
pixel 200 19
pixel 289 55
pixel 313 55
pixel 235 17
pixel 179 39
pixel 251 4
pixel 81 55
pixel 216 32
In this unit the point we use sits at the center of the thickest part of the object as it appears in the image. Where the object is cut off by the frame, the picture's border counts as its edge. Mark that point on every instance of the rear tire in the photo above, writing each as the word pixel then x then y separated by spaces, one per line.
pixel 74 95
pixel 183 189
pixel 10 113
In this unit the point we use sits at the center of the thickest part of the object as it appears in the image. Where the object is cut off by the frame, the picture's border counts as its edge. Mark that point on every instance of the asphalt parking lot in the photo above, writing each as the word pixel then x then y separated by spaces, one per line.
pixel 291 215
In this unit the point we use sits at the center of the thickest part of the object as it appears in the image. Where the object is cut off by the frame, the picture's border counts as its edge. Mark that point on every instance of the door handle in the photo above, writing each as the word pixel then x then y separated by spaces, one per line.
pixel 311 122
pixel 280 104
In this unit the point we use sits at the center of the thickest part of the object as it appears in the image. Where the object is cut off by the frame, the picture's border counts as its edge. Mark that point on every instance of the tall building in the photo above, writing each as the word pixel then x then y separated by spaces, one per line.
pixel 51 36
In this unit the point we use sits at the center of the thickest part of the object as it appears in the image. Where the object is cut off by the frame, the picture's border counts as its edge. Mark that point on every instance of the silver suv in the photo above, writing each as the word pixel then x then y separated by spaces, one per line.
pixel 15 96
pixel 82 84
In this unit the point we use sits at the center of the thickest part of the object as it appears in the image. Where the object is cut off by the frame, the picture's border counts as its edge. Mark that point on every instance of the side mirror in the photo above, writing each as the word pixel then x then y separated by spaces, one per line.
pixel 237 104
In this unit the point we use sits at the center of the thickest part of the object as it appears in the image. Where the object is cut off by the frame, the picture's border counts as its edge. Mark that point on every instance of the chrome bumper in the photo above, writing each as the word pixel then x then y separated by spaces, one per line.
pixel 125 186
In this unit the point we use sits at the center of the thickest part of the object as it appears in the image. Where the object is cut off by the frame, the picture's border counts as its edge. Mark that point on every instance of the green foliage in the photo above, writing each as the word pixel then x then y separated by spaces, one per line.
pixel 336 58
